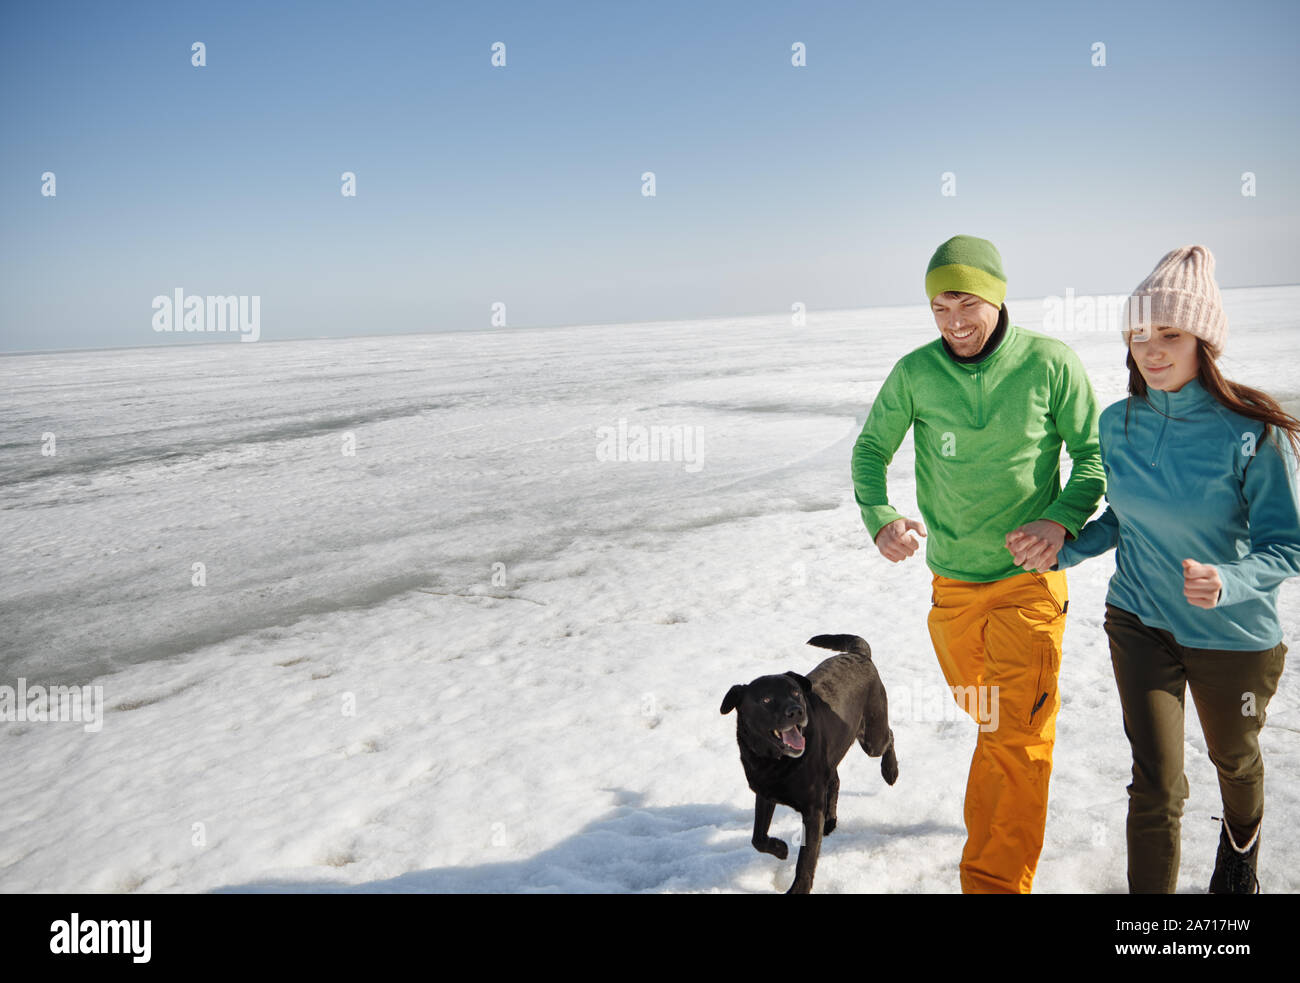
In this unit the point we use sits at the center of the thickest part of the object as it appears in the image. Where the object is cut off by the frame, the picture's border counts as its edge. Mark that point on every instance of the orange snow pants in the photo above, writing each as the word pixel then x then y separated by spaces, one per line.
pixel 999 645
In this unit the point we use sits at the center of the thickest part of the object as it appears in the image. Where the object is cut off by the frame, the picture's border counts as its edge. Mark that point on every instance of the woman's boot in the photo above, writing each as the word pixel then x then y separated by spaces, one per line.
pixel 1234 867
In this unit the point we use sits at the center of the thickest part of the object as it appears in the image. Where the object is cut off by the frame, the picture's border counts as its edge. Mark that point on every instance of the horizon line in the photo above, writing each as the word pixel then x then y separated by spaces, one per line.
pixel 530 327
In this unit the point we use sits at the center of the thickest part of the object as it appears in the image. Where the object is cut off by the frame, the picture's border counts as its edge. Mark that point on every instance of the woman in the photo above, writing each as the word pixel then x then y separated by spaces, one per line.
pixel 1201 488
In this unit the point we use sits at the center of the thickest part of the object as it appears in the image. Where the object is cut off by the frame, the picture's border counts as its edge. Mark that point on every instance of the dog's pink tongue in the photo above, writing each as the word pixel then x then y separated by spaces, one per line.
pixel 792 738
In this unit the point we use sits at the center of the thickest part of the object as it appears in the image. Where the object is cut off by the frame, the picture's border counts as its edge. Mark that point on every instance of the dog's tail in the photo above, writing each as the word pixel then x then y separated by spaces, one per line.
pixel 842 643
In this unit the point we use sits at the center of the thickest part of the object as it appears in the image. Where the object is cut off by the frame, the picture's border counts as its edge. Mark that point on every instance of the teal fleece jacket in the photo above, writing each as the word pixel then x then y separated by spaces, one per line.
pixel 988 439
pixel 1192 479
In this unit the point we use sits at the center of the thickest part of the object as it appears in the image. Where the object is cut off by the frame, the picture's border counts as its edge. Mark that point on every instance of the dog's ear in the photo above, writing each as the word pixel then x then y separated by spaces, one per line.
pixel 803 682
pixel 733 698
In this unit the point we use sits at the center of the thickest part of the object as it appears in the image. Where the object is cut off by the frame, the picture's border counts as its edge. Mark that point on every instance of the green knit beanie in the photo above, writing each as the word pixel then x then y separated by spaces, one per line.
pixel 967 265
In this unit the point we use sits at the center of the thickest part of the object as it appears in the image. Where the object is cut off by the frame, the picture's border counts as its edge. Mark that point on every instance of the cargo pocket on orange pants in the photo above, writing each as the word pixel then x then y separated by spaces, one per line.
pixel 1047 656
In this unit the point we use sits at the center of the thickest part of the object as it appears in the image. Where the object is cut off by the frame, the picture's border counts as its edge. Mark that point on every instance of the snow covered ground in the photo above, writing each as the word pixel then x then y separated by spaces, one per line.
pixel 547 720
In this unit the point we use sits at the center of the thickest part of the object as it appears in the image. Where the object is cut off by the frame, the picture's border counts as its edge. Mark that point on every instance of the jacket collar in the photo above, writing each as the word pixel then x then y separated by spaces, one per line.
pixel 1190 397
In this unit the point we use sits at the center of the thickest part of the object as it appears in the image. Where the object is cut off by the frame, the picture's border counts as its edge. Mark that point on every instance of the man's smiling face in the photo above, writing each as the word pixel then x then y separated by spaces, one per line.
pixel 966 321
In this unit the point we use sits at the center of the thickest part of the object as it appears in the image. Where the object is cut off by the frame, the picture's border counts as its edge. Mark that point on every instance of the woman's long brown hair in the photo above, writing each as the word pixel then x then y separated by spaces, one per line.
pixel 1246 400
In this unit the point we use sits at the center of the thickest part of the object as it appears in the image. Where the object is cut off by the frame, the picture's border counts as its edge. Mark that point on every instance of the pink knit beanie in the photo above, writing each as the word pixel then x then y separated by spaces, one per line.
pixel 1183 295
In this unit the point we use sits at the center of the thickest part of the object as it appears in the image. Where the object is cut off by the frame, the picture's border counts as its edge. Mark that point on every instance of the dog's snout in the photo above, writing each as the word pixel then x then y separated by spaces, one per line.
pixel 793 710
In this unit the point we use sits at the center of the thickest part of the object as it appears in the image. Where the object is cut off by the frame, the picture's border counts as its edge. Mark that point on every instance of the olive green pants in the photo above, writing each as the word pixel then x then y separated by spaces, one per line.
pixel 1231 691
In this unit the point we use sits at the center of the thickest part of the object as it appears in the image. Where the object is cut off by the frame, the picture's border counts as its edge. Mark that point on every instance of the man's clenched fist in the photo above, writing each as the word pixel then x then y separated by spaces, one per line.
pixel 896 542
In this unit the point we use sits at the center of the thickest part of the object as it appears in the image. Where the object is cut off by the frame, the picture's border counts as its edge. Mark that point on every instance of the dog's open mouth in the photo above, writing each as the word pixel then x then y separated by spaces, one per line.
pixel 791 737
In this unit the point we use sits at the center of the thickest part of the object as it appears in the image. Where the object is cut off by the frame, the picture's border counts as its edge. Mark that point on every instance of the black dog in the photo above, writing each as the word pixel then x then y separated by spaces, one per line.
pixel 793 731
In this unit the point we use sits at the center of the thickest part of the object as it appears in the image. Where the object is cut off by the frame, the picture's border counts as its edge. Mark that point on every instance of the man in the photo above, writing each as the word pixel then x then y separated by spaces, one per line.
pixel 991 404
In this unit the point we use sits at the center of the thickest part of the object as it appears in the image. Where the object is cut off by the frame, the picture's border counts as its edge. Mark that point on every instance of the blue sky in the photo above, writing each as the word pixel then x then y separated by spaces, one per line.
pixel 522 185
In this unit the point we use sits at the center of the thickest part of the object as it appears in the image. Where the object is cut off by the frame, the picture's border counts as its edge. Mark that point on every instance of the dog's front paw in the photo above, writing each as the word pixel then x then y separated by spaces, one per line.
pixel 775 847
pixel 829 826
pixel 889 767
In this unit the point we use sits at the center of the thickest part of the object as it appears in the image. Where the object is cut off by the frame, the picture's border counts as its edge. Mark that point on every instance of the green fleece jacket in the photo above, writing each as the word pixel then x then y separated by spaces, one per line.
pixel 988 438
